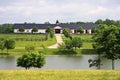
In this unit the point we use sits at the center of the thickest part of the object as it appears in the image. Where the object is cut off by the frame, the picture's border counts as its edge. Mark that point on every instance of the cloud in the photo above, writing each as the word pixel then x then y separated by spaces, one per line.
pixel 98 10
pixel 64 10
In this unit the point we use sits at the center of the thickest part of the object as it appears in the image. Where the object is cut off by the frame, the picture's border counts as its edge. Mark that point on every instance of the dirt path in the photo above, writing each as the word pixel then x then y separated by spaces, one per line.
pixel 59 41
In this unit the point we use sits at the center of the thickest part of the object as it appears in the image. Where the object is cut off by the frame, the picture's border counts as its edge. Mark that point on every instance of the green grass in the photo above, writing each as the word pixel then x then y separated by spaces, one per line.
pixel 85 37
pixel 24 43
pixel 20 45
pixel 59 75
pixel 26 36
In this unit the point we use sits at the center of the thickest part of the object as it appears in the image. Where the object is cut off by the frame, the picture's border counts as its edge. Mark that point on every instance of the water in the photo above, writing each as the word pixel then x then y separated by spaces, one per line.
pixel 59 62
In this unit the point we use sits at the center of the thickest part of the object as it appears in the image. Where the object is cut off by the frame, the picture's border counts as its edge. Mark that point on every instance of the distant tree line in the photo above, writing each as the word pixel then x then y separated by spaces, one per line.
pixel 99 21
pixel 6 28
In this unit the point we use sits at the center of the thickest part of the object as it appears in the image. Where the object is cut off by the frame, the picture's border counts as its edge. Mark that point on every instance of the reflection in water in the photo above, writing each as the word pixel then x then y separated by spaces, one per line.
pixel 60 62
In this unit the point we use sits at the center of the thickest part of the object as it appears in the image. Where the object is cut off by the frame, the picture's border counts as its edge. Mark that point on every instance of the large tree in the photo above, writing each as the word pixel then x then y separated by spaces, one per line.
pixel 34 29
pixel 21 29
pixel 80 30
pixel 76 42
pixel 31 60
pixel 9 44
pixel 66 32
pixel 107 41
pixel 49 31
pixel 99 21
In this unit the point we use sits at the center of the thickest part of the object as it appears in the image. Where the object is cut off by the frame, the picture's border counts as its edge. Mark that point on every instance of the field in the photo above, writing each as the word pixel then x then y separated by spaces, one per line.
pixel 37 40
pixel 59 75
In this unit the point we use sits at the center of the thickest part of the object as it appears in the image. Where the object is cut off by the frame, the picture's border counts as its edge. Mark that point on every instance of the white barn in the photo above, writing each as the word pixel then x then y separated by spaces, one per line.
pixel 58 28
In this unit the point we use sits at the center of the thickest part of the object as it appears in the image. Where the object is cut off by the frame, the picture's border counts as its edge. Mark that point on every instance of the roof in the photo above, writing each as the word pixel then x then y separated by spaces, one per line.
pixel 44 26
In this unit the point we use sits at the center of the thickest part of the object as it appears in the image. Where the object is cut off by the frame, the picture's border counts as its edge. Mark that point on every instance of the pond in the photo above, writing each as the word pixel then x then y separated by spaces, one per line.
pixel 59 62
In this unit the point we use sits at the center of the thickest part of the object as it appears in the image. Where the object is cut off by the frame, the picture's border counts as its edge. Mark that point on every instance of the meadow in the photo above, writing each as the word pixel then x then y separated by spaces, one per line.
pixel 59 75
pixel 40 44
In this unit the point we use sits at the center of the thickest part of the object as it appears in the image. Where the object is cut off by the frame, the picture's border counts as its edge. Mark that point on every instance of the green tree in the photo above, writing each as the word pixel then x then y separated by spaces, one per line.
pixel 52 33
pixel 99 21
pixel 68 44
pixel 49 31
pixel 9 44
pixel 93 30
pixel 0 28
pixel 66 32
pixel 80 29
pixel 47 22
pixel 2 46
pixel 7 28
pixel 21 29
pixel 76 42
pixel 36 60
pixel 107 41
pixel 29 48
pixel 109 22
pixel 34 29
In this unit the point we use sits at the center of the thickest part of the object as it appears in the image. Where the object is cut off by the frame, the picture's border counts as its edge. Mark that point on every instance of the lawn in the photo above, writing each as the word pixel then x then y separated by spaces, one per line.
pixel 59 75
pixel 23 40
pixel 39 45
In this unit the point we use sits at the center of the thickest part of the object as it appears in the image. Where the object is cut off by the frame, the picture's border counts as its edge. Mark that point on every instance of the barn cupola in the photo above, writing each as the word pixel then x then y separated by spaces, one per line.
pixel 57 22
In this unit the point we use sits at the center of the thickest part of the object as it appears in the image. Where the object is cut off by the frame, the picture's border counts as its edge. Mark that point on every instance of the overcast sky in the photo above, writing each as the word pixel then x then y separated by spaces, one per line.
pixel 40 11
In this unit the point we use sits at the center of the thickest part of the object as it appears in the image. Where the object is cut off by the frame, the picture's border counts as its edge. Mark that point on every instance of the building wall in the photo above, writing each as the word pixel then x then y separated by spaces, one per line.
pixel 72 31
pixel 30 31
pixel 41 30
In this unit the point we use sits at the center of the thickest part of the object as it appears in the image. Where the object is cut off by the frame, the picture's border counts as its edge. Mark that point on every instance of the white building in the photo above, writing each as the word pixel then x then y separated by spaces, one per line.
pixel 58 28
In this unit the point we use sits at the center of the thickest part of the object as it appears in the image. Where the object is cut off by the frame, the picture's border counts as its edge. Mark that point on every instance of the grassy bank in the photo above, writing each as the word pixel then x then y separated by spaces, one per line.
pixel 59 75
pixel 52 51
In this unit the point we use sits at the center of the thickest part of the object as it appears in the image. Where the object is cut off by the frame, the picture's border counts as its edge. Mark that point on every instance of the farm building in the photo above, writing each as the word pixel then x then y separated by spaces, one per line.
pixel 58 28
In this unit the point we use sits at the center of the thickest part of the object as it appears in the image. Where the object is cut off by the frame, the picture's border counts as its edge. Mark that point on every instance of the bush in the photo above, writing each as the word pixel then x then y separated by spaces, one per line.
pixel 31 60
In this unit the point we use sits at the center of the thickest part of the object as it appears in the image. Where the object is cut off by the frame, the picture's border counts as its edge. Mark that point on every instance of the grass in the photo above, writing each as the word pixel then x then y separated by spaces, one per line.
pixel 28 36
pixel 59 75
pixel 85 37
pixel 39 45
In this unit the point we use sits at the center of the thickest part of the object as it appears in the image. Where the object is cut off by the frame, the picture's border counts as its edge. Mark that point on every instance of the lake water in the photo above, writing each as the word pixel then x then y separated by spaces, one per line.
pixel 59 62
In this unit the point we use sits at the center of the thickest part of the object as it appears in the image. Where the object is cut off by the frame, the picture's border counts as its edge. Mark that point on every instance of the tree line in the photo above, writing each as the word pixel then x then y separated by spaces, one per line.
pixel 99 21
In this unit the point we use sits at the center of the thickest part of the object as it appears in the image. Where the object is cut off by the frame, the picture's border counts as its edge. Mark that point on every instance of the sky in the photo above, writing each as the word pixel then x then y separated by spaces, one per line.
pixel 40 11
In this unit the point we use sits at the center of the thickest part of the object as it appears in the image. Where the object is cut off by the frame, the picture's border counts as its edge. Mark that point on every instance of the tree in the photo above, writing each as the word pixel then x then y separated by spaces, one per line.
pixel 76 42
pixel 99 21
pixel 52 33
pixel 93 30
pixel 7 28
pixel 21 29
pixel 107 41
pixel 2 46
pixel 109 22
pixel 29 48
pixel 0 28
pixel 47 22
pixel 80 29
pixel 66 32
pixel 34 29
pixel 31 60
pixel 9 44
pixel 68 44
pixel 49 31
